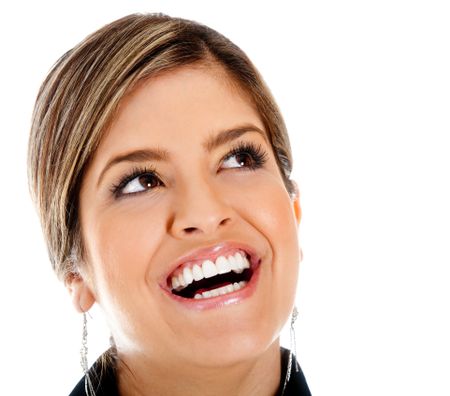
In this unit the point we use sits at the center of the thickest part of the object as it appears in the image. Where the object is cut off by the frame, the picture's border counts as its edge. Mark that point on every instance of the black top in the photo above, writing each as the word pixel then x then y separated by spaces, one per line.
pixel 105 384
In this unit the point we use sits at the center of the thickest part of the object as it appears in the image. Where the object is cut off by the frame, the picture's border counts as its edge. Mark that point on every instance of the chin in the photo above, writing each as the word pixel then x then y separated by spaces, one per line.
pixel 232 340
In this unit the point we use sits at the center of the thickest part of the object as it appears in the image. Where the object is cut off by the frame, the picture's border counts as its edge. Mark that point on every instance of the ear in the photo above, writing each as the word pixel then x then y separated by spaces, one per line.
pixel 297 210
pixel 82 297
pixel 295 197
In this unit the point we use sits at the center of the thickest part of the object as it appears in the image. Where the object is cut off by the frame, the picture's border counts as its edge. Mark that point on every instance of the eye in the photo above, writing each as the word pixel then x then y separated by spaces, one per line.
pixel 141 183
pixel 140 180
pixel 245 155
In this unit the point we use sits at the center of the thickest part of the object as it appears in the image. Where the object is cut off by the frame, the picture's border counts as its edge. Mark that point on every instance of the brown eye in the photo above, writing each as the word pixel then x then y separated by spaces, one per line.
pixel 245 156
pixel 143 182
pixel 238 160
pixel 244 159
pixel 148 181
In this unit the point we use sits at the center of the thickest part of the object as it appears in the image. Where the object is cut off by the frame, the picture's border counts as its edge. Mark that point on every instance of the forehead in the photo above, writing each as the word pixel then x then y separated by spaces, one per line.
pixel 192 101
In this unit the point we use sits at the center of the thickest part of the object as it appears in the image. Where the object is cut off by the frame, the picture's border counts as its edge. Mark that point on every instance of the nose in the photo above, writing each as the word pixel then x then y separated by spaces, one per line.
pixel 200 209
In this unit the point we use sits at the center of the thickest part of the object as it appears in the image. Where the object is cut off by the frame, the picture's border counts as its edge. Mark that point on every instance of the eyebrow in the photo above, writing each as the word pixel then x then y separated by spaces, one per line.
pixel 161 155
pixel 228 135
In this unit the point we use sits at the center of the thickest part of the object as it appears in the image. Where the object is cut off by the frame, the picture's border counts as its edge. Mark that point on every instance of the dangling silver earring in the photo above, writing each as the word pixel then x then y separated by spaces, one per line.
pixel 84 347
pixel 293 350
pixel 292 334
pixel 89 389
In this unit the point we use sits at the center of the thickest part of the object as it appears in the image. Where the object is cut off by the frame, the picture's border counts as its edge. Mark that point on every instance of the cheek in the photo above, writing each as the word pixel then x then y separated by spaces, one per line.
pixel 271 211
pixel 279 226
pixel 266 203
pixel 121 243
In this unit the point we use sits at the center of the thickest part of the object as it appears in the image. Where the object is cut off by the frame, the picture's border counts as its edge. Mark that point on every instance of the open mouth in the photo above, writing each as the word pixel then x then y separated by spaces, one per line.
pixel 209 279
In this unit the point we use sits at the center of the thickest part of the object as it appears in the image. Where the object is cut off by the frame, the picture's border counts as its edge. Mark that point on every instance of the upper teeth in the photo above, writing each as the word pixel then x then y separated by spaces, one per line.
pixel 237 263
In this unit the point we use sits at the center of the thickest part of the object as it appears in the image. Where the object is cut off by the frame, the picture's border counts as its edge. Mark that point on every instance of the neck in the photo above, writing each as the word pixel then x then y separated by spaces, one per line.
pixel 258 376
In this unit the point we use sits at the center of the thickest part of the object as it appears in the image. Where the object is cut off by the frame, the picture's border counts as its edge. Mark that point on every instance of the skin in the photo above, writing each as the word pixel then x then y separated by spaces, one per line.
pixel 132 241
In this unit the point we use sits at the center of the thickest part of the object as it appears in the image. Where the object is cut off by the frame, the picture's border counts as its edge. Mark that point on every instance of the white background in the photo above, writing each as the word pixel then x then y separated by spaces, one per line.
pixel 365 90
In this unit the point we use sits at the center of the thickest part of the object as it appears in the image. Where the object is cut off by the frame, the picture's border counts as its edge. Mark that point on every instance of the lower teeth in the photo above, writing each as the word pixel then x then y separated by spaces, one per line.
pixel 220 291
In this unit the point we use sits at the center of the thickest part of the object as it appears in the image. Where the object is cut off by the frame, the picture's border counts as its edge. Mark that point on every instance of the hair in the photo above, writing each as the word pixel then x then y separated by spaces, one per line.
pixel 80 96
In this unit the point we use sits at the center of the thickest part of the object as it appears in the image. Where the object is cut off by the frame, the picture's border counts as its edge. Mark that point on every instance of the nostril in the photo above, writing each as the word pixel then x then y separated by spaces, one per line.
pixel 192 230
pixel 189 230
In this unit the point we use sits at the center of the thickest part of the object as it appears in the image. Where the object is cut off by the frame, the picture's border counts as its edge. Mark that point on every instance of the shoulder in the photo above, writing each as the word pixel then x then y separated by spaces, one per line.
pixel 296 385
pixel 79 389
pixel 103 380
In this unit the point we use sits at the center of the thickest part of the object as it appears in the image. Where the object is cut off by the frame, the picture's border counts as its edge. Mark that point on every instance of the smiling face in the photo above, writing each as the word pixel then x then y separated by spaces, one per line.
pixel 185 176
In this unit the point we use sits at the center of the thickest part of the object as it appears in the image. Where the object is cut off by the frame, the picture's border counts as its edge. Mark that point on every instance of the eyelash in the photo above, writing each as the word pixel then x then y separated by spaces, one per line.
pixel 116 189
pixel 257 153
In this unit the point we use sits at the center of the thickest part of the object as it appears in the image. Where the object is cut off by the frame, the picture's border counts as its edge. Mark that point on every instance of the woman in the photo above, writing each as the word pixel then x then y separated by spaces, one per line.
pixel 159 163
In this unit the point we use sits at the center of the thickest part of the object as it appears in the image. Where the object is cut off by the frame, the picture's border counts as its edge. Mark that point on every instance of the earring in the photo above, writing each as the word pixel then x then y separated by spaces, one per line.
pixel 84 348
pixel 292 334
pixel 292 351
pixel 89 389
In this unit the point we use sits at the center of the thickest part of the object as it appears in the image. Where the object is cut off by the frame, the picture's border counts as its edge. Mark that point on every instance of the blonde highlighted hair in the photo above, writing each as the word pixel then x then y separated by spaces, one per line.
pixel 80 97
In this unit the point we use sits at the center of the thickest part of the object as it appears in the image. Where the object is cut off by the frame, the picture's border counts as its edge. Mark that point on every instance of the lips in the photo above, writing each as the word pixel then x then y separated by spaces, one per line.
pixel 211 272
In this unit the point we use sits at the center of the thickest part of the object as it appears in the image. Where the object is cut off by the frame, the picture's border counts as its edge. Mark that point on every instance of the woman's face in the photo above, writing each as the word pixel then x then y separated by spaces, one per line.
pixel 185 178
